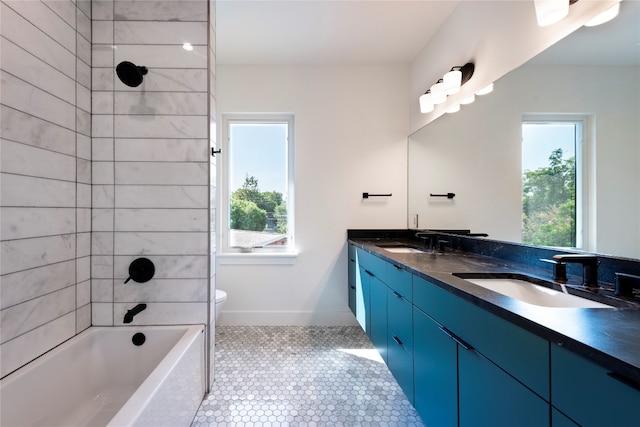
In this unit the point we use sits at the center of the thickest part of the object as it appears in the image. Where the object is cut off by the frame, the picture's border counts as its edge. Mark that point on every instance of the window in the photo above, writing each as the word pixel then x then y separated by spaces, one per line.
pixel 553 191
pixel 257 184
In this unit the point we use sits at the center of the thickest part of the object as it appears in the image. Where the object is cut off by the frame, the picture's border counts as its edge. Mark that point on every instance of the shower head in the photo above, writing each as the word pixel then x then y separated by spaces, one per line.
pixel 130 74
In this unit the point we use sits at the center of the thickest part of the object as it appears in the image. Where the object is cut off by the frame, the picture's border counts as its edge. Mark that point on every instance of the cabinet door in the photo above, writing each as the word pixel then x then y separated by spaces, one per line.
pixel 590 394
pixel 488 396
pixel 363 299
pixel 400 363
pixel 400 319
pixel 378 329
pixel 352 268
pixel 435 372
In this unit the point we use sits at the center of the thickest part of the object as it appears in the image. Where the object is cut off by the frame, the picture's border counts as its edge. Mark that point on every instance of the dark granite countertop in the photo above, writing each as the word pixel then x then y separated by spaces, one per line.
pixel 607 336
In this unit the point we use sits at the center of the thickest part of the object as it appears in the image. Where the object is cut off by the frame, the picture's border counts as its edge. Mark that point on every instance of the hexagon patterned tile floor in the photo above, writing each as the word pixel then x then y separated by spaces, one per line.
pixel 301 376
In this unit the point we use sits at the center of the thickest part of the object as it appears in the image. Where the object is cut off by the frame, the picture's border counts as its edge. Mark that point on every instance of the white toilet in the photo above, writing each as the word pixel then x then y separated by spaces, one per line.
pixel 221 297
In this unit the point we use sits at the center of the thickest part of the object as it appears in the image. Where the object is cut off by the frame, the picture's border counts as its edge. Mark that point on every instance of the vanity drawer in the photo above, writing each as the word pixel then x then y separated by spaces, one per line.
pixel 373 264
pixel 520 353
pixel 400 281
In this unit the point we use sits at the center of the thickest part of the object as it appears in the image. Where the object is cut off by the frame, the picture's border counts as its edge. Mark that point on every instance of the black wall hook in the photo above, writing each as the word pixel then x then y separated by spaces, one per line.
pixel 141 270
pixel 214 151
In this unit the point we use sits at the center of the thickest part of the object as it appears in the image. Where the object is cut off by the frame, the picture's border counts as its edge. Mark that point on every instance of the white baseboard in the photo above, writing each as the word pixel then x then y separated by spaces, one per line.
pixel 287 318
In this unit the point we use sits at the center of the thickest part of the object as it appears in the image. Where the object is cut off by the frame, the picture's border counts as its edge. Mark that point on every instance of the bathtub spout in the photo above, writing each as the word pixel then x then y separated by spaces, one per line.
pixel 128 317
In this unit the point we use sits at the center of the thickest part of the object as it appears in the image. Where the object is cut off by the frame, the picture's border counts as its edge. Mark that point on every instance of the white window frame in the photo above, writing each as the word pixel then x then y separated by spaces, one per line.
pixel 285 254
pixel 584 180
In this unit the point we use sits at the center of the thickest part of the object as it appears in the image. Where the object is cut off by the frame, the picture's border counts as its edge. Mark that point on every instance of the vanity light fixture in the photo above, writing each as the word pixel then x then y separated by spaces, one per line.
pixel 426 103
pixel 605 16
pixel 485 90
pixel 448 85
pixel 548 12
pixel 438 96
pixel 453 109
pixel 467 101
pixel 452 81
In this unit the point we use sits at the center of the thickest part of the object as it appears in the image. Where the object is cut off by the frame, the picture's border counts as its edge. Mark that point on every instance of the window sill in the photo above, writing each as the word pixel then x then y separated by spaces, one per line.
pixel 283 258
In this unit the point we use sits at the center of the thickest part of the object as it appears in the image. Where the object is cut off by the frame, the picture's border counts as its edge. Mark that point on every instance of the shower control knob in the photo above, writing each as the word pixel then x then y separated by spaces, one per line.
pixel 141 270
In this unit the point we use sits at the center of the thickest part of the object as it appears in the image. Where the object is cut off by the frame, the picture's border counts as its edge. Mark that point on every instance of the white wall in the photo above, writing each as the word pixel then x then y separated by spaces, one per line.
pixel 476 153
pixel 46 176
pixel 350 137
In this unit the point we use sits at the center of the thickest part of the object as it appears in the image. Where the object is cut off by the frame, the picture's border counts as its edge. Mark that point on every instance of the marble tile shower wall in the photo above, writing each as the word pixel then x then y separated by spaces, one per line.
pixel 45 199
pixel 150 161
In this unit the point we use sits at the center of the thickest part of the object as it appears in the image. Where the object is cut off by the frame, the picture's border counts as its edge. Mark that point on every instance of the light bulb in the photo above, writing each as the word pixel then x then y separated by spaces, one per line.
pixel 605 16
pixel 437 93
pixel 426 103
pixel 187 47
pixel 468 100
pixel 549 12
pixel 452 81
pixel 485 90
pixel 453 109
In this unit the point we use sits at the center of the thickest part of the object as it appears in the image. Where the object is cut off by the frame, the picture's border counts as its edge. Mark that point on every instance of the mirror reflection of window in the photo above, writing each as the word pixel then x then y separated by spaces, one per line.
pixel 552 203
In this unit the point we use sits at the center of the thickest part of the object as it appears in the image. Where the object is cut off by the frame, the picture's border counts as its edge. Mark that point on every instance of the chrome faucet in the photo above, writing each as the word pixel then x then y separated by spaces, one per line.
pixel 128 317
pixel 589 266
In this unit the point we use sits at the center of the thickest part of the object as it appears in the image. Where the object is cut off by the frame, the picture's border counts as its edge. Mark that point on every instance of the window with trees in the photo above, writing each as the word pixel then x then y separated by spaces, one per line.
pixel 257 183
pixel 552 188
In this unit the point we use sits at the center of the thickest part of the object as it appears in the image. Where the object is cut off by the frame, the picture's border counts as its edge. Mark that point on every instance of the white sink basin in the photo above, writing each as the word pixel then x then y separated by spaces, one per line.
pixel 403 250
pixel 534 294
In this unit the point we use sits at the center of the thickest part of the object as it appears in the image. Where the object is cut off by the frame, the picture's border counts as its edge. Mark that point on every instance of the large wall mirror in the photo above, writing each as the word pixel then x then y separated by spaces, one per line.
pixel 591 77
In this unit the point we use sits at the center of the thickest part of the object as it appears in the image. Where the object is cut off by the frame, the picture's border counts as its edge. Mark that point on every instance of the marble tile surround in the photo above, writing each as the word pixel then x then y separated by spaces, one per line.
pixel 46 172
pixel 150 170
pixel 138 168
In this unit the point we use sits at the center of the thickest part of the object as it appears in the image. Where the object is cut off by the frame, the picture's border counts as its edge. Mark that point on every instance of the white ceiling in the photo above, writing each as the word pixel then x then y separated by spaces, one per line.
pixel 312 32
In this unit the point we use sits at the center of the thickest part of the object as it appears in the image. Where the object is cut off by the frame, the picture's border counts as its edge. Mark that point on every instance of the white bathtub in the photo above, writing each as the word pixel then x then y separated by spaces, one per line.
pixel 100 378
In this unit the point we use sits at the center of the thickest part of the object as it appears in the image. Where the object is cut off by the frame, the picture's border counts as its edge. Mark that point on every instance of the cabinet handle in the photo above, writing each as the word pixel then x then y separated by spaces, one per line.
pixel 454 337
pixel 369 273
pixel 624 380
pixel 397 340
pixel 396 267
pixel 398 295
pixel 352 287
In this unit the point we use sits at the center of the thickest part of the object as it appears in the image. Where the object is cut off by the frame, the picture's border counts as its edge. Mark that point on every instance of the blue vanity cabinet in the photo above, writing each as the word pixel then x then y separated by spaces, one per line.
pixel 400 327
pixel 558 419
pixel 492 388
pixel 590 394
pixel 400 341
pixel 378 327
pixel 363 298
pixel 400 363
pixel 488 396
pixel 520 353
pixel 352 268
pixel 400 281
pixel 370 268
pixel 435 364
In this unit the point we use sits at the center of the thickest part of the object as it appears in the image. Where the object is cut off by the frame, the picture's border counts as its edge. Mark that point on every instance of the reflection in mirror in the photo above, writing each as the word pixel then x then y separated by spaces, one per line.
pixel 592 76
